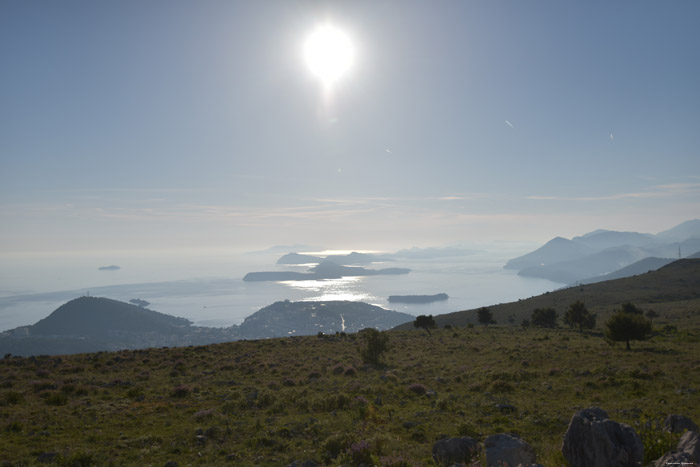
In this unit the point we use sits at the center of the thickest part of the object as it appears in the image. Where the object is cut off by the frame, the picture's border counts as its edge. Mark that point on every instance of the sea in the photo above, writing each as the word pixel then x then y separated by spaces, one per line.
pixel 206 286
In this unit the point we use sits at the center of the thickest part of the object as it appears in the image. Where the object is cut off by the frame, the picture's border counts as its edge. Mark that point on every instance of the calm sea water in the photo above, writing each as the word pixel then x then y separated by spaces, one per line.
pixel 207 288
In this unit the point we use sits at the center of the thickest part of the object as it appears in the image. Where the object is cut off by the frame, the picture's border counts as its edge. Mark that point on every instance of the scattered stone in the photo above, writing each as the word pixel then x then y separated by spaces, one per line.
pixel 678 423
pixel 378 401
pixel 46 457
pixel 593 439
pixel 506 408
pixel 455 450
pixel 687 451
pixel 503 449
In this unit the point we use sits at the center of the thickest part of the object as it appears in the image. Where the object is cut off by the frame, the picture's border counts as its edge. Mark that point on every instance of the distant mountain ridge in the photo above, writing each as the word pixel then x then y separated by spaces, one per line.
pixel 603 252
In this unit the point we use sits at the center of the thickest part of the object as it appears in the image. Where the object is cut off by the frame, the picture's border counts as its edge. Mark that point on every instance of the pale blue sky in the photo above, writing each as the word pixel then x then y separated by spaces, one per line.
pixel 159 124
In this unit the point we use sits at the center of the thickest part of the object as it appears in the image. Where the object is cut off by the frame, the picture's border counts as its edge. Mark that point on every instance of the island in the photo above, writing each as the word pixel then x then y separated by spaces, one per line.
pixel 418 298
pixel 325 270
pixel 109 268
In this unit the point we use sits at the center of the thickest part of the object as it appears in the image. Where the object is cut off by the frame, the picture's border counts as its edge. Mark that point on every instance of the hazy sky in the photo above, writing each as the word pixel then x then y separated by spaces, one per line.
pixel 154 124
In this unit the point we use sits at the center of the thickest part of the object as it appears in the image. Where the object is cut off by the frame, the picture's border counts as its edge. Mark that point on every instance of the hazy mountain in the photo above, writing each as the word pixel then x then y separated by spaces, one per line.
pixel 556 250
pixel 279 249
pixel 298 258
pixel 681 232
pixel 433 253
pixel 351 258
pixel 287 318
pixel 602 239
pixel 356 258
pixel 602 262
pixel 640 267
pixel 603 252
pixel 695 255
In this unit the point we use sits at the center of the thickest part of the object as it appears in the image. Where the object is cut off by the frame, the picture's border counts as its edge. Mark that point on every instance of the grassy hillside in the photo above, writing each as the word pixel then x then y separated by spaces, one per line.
pixel 270 402
pixel 674 288
pixel 274 401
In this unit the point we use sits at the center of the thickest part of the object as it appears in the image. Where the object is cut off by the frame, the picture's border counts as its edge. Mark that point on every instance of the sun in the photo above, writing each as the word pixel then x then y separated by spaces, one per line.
pixel 329 53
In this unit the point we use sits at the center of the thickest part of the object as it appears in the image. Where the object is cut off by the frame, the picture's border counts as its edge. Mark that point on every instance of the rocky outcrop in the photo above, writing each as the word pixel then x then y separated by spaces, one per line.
pixel 504 449
pixel 679 423
pixel 687 451
pixel 593 439
pixel 455 450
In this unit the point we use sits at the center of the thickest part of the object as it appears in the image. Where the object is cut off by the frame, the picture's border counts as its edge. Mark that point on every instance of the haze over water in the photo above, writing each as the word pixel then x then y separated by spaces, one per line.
pixel 208 289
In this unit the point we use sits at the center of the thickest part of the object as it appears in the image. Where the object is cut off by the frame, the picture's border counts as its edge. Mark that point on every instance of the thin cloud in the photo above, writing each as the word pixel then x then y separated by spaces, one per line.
pixel 509 124
pixel 655 192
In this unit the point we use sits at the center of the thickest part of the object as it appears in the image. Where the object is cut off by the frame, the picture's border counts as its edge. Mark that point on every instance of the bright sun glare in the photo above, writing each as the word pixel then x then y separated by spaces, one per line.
pixel 329 53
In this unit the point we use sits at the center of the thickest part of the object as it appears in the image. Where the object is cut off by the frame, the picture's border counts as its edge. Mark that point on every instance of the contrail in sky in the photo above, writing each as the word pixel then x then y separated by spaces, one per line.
pixel 510 124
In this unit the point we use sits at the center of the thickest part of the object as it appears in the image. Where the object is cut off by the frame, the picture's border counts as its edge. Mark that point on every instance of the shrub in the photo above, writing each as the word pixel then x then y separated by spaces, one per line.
pixel 56 398
pixel 656 440
pixel 336 444
pixel 544 317
pixel 360 453
pixel 180 391
pixel 485 316
pixel 418 388
pixel 625 326
pixel 376 343
pixel 578 315
pixel 11 398
pixel 425 322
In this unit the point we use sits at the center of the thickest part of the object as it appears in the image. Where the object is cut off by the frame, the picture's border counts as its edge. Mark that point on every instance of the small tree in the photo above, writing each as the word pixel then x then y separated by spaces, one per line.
pixel 425 322
pixel 544 317
pixel 631 308
pixel 376 343
pixel 485 316
pixel 626 326
pixel 578 315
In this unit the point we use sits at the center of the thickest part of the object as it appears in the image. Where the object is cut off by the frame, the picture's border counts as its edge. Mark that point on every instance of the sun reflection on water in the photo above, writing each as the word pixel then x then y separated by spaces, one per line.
pixel 345 288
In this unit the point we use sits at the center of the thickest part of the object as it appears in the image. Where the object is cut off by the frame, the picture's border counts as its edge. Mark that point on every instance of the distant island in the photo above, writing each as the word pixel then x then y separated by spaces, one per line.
pixel 325 270
pixel 92 324
pixel 109 268
pixel 351 258
pixel 418 298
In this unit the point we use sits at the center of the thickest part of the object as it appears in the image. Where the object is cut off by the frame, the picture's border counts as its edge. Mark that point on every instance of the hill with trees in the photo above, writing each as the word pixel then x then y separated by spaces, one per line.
pixel 675 286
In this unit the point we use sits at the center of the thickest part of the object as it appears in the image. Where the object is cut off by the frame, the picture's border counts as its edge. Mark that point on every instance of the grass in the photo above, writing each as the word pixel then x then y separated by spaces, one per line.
pixel 271 402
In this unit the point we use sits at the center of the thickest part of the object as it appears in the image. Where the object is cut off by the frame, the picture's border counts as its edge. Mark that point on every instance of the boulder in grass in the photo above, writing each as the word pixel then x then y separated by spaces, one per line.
pixel 679 423
pixel 687 452
pixel 504 449
pixel 455 450
pixel 593 439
